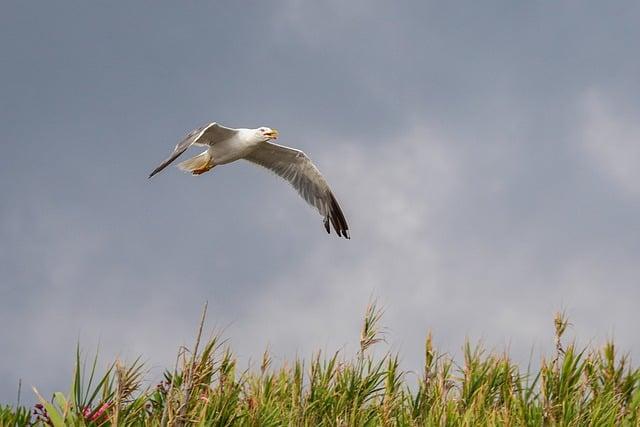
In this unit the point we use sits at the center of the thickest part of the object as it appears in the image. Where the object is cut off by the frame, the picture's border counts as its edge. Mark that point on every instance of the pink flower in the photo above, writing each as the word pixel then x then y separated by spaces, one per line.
pixel 100 411
pixel 94 415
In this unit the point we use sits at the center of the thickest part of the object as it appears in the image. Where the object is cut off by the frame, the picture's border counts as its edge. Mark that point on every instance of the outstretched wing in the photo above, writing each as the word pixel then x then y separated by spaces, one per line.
pixel 208 134
pixel 294 166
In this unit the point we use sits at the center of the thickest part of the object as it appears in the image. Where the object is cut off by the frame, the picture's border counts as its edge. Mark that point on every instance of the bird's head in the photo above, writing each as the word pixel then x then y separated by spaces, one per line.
pixel 265 133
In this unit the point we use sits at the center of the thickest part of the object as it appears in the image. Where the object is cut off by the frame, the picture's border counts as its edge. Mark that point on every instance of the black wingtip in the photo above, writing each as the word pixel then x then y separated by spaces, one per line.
pixel 337 219
pixel 154 172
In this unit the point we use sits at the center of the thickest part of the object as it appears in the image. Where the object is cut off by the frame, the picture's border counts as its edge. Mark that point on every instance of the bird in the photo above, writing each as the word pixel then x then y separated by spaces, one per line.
pixel 226 145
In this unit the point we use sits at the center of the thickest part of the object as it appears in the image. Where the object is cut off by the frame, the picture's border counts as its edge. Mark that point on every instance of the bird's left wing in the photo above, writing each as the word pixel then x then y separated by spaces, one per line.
pixel 294 166
pixel 207 134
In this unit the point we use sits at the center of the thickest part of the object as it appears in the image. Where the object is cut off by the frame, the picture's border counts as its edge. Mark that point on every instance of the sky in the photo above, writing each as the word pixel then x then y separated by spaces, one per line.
pixel 486 156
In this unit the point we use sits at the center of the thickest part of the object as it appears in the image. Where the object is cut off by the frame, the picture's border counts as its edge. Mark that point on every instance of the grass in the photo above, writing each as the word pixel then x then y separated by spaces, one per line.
pixel 575 387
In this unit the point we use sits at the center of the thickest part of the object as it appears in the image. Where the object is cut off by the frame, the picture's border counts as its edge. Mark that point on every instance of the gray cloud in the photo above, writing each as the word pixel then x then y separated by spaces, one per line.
pixel 485 155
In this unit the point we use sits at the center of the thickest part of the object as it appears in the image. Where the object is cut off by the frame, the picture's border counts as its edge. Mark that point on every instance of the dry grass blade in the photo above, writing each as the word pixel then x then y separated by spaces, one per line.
pixel 371 332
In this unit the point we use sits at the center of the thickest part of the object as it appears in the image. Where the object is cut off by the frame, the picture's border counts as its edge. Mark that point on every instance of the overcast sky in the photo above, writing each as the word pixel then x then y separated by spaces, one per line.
pixel 486 155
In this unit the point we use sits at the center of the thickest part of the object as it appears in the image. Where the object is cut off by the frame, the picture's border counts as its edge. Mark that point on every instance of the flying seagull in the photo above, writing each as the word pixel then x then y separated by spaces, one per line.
pixel 226 145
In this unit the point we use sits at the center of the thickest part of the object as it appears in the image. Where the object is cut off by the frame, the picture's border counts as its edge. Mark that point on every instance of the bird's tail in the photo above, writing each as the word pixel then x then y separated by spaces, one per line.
pixel 199 164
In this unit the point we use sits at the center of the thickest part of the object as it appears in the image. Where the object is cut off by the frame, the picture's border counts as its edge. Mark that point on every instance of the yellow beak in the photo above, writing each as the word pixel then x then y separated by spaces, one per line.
pixel 273 134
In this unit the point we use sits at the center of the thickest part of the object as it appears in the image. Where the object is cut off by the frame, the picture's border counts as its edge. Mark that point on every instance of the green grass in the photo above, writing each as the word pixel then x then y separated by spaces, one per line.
pixel 575 387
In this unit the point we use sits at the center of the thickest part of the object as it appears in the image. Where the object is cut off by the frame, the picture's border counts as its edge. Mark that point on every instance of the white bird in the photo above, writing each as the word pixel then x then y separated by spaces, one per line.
pixel 226 145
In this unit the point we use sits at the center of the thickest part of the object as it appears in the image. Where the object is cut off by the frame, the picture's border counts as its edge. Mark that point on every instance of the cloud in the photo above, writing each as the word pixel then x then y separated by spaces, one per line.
pixel 612 142
pixel 393 195
pixel 480 198
pixel 441 242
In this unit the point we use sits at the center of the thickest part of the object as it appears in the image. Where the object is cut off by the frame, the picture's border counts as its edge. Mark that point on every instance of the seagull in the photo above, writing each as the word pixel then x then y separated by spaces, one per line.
pixel 225 145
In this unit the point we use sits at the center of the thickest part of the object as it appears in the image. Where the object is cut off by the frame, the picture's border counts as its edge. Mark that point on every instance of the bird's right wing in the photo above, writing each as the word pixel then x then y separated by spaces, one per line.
pixel 295 167
pixel 207 134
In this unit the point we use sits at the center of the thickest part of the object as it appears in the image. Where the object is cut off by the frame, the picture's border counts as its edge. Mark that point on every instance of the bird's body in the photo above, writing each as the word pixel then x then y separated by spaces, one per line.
pixel 225 145
pixel 232 149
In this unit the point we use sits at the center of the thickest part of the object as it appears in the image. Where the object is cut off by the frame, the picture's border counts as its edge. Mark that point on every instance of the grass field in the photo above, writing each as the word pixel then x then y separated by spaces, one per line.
pixel 574 387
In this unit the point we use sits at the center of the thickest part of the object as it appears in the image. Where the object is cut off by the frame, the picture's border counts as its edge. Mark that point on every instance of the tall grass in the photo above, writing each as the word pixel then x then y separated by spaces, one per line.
pixel 574 387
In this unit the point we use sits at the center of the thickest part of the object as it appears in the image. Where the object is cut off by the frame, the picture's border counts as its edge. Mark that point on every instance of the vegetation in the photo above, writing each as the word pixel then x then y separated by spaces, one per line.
pixel 577 387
